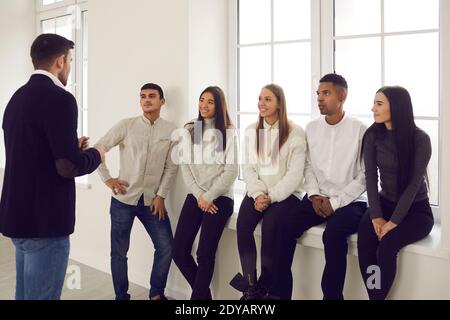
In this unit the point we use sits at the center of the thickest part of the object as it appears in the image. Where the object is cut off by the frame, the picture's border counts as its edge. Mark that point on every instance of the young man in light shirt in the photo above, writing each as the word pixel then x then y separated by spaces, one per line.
pixel 146 175
pixel 335 187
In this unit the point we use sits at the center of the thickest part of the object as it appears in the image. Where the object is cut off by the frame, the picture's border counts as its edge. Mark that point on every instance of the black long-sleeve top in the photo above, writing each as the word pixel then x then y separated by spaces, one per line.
pixel 381 154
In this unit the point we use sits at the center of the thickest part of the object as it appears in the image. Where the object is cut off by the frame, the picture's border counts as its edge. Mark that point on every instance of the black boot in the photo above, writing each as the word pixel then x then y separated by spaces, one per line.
pixel 253 293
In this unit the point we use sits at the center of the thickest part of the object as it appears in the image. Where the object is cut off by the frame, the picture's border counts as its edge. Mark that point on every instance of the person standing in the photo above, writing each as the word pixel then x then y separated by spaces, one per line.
pixel 146 175
pixel 209 203
pixel 43 156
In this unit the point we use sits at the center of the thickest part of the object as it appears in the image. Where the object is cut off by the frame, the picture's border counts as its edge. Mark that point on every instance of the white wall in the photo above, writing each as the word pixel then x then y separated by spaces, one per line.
pixel 17 31
pixel 182 46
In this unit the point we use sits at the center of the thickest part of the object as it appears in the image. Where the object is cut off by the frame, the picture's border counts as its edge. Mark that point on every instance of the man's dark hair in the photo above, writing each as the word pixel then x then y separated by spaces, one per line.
pixel 336 79
pixel 152 86
pixel 47 47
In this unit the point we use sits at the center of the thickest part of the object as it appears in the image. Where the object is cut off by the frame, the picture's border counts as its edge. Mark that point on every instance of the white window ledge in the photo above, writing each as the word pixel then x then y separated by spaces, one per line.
pixel 429 246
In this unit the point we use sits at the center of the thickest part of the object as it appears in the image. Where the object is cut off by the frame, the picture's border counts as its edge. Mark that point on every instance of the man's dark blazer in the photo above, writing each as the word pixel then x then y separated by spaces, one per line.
pixel 42 160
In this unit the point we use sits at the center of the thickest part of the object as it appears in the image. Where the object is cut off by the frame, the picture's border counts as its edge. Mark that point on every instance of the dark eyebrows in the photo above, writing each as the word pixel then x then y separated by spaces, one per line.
pixel 151 95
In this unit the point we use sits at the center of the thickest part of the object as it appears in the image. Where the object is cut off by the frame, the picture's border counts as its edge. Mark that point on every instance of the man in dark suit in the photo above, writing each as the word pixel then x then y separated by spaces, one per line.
pixel 43 156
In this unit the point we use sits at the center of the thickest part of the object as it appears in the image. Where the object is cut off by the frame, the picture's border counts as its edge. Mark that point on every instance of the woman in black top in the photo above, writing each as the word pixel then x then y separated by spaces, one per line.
pixel 400 213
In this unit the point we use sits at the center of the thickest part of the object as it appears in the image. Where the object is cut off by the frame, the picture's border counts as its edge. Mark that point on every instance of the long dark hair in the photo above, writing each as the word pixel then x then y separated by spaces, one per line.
pixel 403 128
pixel 221 117
pixel 284 126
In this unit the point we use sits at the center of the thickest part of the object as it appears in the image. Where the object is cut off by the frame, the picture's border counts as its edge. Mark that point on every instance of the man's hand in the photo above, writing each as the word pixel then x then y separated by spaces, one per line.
pixel 157 207
pixel 378 224
pixel 205 206
pixel 117 186
pixel 262 202
pixel 388 226
pixel 83 143
pixel 317 205
pixel 101 149
pixel 322 206
pixel 327 208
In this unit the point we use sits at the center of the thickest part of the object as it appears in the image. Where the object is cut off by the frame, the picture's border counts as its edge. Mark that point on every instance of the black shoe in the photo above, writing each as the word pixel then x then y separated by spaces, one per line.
pixel 239 283
pixel 158 297
pixel 268 296
pixel 252 293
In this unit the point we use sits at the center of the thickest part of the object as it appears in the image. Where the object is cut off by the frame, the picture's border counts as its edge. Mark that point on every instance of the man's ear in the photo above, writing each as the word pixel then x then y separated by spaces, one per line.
pixel 342 95
pixel 163 102
pixel 60 61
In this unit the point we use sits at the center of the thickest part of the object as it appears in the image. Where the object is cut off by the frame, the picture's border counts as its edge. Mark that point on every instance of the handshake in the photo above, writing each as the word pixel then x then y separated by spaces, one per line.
pixel 83 144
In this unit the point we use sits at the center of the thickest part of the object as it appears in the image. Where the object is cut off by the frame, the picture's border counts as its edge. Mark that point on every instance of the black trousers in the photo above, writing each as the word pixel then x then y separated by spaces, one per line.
pixel 341 224
pixel 199 275
pixel 383 254
pixel 247 221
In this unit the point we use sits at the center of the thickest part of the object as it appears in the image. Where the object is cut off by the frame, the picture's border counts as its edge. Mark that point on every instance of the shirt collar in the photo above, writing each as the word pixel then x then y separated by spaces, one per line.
pixel 55 80
pixel 209 122
pixel 276 125
pixel 149 122
pixel 337 124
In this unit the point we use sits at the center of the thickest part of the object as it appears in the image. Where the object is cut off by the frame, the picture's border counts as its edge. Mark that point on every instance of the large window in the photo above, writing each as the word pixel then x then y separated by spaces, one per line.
pixel 371 43
pixel 274 45
pixel 69 18
pixel 379 42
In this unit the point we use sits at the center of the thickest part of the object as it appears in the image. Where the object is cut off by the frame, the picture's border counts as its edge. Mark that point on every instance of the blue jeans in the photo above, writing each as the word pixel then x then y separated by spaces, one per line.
pixel 160 232
pixel 41 266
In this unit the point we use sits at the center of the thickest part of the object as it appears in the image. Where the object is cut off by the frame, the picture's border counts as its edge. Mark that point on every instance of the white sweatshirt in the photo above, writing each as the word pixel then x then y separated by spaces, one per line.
pixel 279 179
pixel 333 166
pixel 212 180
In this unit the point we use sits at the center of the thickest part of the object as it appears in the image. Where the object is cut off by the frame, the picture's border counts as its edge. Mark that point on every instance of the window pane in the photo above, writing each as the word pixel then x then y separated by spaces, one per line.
pixel 48 26
pixel 421 14
pixel 255 73
pixel 293 73
pixel 85 84
pixel 85 35
pixel 301 121
pixel 412 61
pixel 357 17
pixel 292 19
pixel 359 61
pixel 432 128
pixel 64 26
pixel 245 120
pixel 254 21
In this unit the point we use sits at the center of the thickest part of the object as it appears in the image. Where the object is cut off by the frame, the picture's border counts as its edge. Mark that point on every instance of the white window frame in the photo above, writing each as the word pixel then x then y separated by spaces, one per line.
pixel 40 7
pixel 322 29
pixel 54 11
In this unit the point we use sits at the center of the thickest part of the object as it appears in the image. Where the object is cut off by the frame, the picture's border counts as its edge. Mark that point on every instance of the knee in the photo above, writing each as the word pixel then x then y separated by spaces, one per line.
pixel 164 247
pixel 119 256
pixel 243 228
pixel 205 258
pixel 179 252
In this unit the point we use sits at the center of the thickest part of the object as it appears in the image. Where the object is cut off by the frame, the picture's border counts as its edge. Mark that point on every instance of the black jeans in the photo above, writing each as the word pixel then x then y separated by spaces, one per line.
pixel 199 275
pixel 372 252
pixel 341 224
pixel 247 221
